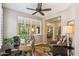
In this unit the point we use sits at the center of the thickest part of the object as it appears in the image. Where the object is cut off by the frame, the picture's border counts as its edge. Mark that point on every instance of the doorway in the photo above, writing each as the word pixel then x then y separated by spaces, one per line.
pixel 53 29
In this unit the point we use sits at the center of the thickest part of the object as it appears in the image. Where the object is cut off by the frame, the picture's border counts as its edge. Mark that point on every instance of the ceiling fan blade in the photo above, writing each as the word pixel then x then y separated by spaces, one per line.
pixel 31 9
pixel 39 5
pixel 48 9
pixel 41 13
pixel 34 13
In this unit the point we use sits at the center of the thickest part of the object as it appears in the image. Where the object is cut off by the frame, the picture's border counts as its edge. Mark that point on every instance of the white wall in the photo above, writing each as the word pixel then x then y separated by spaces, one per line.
pixel 1 24
pixel 10 23
pixel 77 30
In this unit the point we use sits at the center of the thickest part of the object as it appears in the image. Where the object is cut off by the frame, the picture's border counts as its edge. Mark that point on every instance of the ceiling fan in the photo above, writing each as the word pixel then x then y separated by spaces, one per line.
pixel 39 9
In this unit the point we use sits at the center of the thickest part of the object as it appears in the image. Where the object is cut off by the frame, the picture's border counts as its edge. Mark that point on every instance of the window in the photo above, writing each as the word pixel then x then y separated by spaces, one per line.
pixel 26 25
pixel 22 31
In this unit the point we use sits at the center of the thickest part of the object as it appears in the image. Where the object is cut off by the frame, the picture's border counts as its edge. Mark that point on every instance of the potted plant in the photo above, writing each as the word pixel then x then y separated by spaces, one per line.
pixel 7 43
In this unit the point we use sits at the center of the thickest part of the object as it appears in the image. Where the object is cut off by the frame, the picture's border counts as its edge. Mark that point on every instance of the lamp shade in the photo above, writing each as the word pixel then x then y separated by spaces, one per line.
pixel 68 29
pixel 33 30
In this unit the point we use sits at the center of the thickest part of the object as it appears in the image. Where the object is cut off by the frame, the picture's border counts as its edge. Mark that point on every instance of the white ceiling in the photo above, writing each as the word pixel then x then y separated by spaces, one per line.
pixel 56 7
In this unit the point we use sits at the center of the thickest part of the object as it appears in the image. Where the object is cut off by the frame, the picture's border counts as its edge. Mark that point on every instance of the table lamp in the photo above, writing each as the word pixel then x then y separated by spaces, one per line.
pixel 68 31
